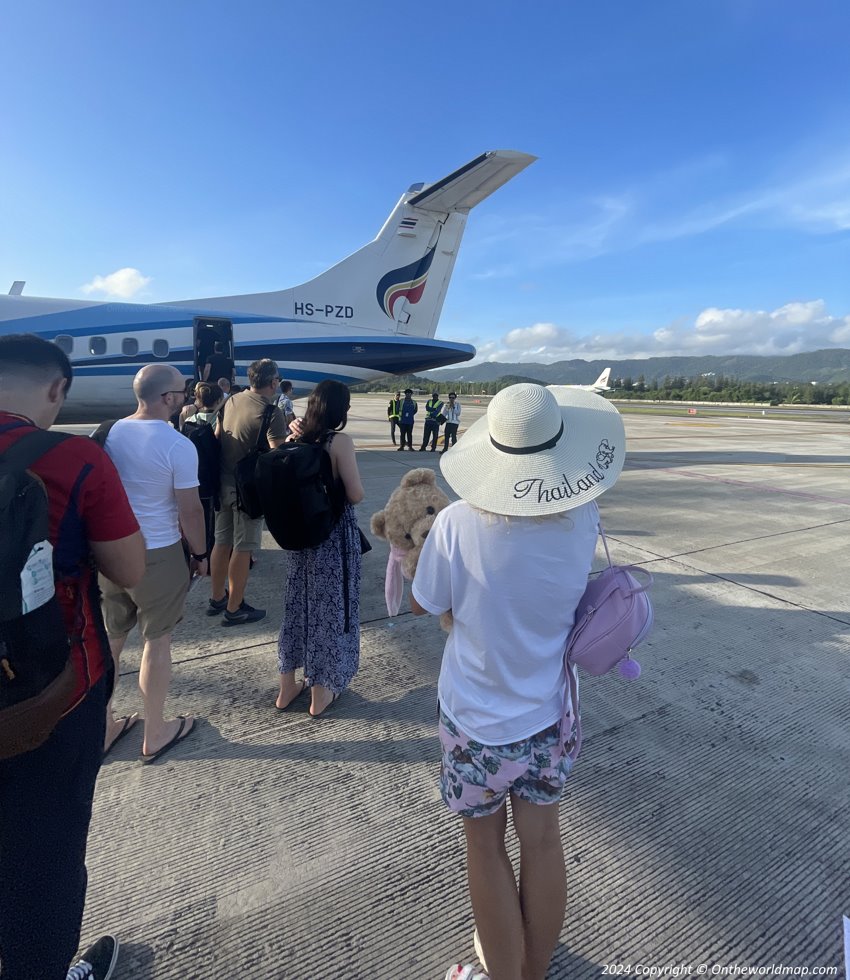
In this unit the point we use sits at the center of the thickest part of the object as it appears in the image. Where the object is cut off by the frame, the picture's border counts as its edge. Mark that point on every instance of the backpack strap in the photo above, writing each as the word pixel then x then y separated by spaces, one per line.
pixel 31 447
pixel 101 433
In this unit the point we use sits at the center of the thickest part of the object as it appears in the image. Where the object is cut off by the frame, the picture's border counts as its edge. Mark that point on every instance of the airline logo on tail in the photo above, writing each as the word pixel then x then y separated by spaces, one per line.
pixel 405 283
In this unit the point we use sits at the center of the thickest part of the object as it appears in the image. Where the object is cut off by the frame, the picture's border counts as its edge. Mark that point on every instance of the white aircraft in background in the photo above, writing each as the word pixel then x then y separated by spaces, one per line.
pixel 372 315
pixel 599 385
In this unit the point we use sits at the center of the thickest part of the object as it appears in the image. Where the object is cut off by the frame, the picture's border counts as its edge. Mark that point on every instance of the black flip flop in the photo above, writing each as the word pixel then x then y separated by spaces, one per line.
pixel 326 709
pixel 304 687
pixel 146 760
pixel 129 723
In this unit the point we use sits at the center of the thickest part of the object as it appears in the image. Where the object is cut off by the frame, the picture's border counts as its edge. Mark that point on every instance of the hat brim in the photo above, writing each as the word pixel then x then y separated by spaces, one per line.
pixel 584 463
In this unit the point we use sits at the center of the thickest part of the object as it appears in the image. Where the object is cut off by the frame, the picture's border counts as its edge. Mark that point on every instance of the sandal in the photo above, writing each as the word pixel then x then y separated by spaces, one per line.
pixel 326 709
pixel 304 687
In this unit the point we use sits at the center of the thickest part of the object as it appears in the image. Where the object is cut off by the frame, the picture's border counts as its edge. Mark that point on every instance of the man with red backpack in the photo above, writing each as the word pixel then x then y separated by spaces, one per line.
pixel 46 793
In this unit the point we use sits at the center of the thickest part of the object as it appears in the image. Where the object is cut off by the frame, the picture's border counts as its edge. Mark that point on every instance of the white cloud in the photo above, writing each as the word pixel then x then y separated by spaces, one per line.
pixel 789 329
pixel 537 335
pixel 122 284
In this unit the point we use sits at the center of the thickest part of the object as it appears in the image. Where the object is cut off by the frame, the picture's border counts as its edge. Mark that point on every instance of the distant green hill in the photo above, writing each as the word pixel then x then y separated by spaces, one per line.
pixel 821 365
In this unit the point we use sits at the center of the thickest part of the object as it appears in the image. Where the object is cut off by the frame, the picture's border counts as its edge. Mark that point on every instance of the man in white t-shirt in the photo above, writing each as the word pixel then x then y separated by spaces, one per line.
pixel 159 469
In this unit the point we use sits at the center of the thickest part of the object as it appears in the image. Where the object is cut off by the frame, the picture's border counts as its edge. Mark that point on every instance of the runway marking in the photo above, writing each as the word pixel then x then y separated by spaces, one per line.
pixel 761 487
pixel 719 462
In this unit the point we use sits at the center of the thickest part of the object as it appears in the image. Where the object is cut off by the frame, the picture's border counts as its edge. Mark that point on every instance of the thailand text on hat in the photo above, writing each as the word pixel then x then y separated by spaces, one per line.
pixel 538 451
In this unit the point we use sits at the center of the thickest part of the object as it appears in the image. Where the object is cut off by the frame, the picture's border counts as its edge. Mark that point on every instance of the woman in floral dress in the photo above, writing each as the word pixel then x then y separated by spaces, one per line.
pixel 321 621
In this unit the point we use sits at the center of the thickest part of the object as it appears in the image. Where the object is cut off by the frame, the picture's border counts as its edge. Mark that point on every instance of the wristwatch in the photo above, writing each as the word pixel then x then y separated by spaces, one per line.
pixel 202 557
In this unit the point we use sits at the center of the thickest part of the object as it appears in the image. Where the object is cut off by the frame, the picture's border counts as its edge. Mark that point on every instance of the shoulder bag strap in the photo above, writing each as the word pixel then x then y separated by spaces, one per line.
pixel 604 542
pixel 572 682
pixel 268 411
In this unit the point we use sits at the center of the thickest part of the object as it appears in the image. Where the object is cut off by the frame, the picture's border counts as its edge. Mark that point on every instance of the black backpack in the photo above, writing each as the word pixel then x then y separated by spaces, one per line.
pixel 203 438
pixel 296 487
pixel 37 677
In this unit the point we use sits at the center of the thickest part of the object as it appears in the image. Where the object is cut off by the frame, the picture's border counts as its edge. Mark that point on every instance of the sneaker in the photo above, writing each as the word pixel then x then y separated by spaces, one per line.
pixel 479 952
pixel 97 962
pixel 461 972
pixel 217 606
pixel 245 614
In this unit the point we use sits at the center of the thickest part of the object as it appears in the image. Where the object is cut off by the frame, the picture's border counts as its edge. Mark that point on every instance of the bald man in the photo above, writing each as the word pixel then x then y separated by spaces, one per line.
pixel 159 469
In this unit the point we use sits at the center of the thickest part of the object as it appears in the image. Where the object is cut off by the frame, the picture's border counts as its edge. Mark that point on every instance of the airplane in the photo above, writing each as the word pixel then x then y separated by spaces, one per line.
pixel 599 385
pixel 372 315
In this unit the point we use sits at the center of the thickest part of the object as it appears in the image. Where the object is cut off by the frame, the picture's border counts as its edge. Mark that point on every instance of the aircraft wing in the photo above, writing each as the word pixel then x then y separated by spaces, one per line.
pixel 469 185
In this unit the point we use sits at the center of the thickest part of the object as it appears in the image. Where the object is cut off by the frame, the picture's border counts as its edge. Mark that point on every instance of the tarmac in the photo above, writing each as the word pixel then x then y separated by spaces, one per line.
pixel 705 824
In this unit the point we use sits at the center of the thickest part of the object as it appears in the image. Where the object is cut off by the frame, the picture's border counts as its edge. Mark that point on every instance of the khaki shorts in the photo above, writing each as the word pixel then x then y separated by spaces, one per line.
pixel 233 527
pixel 156 603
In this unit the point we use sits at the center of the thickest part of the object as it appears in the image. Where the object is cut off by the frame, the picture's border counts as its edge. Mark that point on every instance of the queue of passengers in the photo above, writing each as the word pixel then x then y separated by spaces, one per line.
pixel 132 511
pixel 503 702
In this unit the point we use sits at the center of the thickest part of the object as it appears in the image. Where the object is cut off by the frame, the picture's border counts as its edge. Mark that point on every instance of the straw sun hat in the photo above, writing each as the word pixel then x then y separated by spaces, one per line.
pixel 538 451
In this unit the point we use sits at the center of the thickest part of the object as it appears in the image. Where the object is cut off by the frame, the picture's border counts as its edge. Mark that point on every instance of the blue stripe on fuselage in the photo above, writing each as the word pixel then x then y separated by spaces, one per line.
pixel 390 355
pixel 385 353
pixel 186 368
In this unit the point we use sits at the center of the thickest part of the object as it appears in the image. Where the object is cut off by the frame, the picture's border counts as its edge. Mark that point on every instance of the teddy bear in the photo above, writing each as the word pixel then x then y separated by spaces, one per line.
pixel 405 523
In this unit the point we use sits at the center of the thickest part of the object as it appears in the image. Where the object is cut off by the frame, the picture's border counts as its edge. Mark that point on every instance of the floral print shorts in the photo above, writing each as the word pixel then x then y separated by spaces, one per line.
pixel 475 779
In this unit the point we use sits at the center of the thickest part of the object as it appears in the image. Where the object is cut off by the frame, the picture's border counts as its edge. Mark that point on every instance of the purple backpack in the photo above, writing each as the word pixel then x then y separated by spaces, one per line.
pixel 613 616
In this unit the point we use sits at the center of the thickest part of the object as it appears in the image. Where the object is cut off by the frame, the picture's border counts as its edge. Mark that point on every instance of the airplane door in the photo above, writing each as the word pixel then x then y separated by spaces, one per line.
pixel 207 332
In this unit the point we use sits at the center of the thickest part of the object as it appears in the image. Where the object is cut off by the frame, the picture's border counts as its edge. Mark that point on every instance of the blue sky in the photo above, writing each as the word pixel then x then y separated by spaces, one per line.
pixel 692 193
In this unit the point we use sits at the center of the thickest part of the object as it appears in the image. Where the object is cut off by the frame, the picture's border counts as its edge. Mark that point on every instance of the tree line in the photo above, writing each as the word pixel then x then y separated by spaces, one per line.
pixel 719 388
pixel 703 388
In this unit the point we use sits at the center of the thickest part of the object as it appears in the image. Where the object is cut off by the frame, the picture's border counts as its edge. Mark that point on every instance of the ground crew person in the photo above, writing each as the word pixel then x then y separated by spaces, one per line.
pixel 433 410
pixel 409 408
pixel 394 414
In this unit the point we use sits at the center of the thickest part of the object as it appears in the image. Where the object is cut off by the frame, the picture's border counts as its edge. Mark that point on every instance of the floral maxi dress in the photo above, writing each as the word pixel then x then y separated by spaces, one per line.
pixel 321 615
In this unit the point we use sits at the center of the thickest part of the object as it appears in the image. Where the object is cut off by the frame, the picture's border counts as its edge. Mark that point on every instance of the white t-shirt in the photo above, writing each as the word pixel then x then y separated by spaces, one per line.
pixel 153 460
pixel 512 585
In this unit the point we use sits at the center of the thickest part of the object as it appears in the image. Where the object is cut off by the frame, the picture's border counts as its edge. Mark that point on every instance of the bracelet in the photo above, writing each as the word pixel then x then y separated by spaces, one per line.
pixel 202 557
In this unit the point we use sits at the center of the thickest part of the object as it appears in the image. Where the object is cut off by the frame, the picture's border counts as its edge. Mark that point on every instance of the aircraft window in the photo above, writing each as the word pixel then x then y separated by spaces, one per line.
pixel 160 348
pixel 97 345
pixel 65 343
pixel 130 346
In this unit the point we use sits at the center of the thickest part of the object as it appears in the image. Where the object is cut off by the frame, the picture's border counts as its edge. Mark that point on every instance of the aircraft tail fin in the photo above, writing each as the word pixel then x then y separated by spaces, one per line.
pixel 403 275
pixel 396 283
pixel 602 380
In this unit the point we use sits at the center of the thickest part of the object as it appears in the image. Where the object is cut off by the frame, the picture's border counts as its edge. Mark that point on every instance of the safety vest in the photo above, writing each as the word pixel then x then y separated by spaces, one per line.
pixel 394 409
pixel 432 409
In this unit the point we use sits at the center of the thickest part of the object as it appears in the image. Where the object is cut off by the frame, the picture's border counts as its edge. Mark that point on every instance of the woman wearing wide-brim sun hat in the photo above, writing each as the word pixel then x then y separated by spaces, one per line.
pixel 510 559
